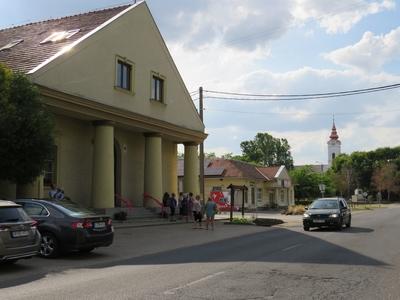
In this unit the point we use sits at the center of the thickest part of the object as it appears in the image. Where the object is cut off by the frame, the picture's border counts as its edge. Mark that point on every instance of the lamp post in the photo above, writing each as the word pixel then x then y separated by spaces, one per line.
pixel 322 189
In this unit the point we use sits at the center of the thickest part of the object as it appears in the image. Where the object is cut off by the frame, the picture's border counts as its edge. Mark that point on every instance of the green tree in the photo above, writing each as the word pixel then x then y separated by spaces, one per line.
pixel 267 150
pixel 306 183
pixel 387 178
pixel 25 129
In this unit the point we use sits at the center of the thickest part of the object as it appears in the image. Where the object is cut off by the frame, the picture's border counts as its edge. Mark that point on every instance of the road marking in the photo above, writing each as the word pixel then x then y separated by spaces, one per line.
pixel 174 290
pixel 291 247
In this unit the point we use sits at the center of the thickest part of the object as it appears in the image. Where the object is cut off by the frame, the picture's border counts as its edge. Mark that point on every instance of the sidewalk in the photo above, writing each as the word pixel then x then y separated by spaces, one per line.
pixel 224 216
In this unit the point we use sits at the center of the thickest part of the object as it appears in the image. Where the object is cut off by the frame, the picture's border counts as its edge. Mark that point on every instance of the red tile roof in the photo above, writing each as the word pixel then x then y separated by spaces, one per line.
pixel 269 172
pixel 238 169
pixel 30 53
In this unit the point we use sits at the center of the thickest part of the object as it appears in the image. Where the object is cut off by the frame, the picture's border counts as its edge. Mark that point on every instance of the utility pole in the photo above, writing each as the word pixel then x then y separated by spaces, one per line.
pixel 201 147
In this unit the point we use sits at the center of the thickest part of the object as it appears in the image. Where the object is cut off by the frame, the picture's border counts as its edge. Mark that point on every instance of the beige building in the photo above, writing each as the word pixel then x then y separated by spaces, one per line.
pixel 267 186
pixel 120 105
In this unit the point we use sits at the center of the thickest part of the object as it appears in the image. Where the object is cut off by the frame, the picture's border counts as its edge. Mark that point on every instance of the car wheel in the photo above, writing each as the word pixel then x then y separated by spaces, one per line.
pixel 340 225
pixel 306 228
pixel 348 224
pixel 49 246
pixel 86 250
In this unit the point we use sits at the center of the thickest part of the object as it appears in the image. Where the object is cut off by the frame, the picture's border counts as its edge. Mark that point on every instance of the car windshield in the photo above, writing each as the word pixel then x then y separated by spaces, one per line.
pixel 13 214
pixel 72 209
pixel 324 204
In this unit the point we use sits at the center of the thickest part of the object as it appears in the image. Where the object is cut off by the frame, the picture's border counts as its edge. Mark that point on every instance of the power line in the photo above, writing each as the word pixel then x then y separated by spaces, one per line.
pixel 396 85
pixel 304 96
pixel 304 114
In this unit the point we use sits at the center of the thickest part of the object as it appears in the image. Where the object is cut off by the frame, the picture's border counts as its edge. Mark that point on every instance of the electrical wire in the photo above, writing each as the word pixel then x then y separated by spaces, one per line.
pixel 304 96
pixel 304 114
pixel 396 85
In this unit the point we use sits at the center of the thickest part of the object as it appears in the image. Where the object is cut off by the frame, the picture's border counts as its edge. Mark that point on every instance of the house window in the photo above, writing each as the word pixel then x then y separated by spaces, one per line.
pixel 259 194
pixel 50 171
pixel 282 195
pixel 11 44
pixel 253 196
pixel 124 75
pixel 59 36
pixel 157 88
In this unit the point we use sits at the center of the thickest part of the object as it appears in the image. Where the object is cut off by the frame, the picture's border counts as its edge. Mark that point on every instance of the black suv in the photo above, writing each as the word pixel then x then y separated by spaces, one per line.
pixel 332 212
pixel 67 226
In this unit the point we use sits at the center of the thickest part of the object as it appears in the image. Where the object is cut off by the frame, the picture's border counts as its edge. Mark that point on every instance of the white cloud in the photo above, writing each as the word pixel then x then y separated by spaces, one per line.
pixel 338 16
pixel 371 53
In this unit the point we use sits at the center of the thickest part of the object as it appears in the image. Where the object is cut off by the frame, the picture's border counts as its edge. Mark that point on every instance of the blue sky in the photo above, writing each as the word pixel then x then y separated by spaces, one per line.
pixel 275 47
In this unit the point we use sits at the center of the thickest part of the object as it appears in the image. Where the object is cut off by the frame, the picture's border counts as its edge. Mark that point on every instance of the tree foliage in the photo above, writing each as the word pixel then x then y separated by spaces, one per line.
pixel 25 129
pixel 306 183
pixel 267 150
pixel 365 170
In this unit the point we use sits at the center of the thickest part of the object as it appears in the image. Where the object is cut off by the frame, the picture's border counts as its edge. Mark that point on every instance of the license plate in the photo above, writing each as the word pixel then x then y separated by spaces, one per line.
pixel 17 234
pixel 319 221
pixel 99 225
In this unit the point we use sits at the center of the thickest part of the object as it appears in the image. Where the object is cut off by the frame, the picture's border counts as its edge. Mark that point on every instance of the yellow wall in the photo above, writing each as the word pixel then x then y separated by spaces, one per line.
pixel 170 176
pixel 132 165
pixel 88 70
pixel 74 142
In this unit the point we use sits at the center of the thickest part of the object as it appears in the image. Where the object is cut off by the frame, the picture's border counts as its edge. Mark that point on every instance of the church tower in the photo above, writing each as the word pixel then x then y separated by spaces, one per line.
pixel 333 145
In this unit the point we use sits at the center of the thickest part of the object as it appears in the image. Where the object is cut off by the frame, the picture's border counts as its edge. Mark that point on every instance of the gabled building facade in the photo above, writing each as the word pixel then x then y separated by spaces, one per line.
pixel 268 187
pixel 120 105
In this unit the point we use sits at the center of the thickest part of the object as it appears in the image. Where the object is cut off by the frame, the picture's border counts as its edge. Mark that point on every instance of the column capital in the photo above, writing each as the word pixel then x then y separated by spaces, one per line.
pixel 190 144
pixel 152 134
pixel 103 123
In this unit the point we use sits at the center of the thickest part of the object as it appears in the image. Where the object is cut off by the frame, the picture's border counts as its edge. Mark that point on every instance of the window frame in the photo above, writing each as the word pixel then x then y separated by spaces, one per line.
pixel 161 78
pixel 54 169
pixel 124 61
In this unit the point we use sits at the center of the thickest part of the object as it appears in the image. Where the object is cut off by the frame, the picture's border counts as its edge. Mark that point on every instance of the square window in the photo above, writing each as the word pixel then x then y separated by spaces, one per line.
pixel 124 75
pixel 157 88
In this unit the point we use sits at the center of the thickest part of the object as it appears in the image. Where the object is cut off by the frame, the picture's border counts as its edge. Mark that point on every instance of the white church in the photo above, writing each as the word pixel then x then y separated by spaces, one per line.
pixel 334 145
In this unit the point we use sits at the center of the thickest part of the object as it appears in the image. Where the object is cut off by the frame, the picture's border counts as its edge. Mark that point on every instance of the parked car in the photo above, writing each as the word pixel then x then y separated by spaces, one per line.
pixel 19 237
pixel 67 226
pixel 332 212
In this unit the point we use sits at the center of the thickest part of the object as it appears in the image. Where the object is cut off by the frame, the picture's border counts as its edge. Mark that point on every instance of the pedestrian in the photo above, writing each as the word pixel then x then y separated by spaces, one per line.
pixel 184 207
pixel 190 207
pixel 210 209
pixel 56 193
pixel 164 212
pixel 180 198
pixel 172 206
pixel 197 212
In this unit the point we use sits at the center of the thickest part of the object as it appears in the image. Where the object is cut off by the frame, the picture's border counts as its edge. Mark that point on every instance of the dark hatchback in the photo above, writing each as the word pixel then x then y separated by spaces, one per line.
pixel 331 212
pixel 66 226
pixel 19 237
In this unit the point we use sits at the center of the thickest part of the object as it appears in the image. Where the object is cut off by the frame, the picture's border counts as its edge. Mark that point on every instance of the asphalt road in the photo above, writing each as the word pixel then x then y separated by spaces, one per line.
pixel 232 262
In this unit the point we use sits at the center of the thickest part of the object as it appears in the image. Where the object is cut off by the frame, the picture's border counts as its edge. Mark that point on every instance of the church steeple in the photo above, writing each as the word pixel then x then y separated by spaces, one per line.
pixel 333 144
pixel 334 135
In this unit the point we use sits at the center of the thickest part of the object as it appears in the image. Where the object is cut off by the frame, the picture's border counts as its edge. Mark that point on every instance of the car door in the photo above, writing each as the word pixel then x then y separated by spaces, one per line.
pixel 344 210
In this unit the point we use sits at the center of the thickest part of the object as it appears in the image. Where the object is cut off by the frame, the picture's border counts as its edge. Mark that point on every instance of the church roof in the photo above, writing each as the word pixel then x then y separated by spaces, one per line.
pixel 334 135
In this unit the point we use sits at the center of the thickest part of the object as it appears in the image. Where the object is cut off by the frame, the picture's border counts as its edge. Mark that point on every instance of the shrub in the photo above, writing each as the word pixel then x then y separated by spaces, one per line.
pixel 295 210
pixel 242 221
pixel 120 216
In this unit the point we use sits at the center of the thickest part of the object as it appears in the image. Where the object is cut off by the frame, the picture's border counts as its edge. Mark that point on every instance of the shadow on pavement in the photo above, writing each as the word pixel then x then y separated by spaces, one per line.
pixel 278 245
pixel 345 230
pixel 269 246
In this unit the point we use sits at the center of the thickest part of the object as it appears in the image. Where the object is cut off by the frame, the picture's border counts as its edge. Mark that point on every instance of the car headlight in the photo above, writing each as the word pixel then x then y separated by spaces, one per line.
pixel 334 216
pixel 306 215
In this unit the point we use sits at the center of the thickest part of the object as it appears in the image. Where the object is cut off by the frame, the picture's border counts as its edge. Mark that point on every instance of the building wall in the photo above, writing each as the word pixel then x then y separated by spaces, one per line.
pixel 132 146
pixel 74 158
pixel 88 70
